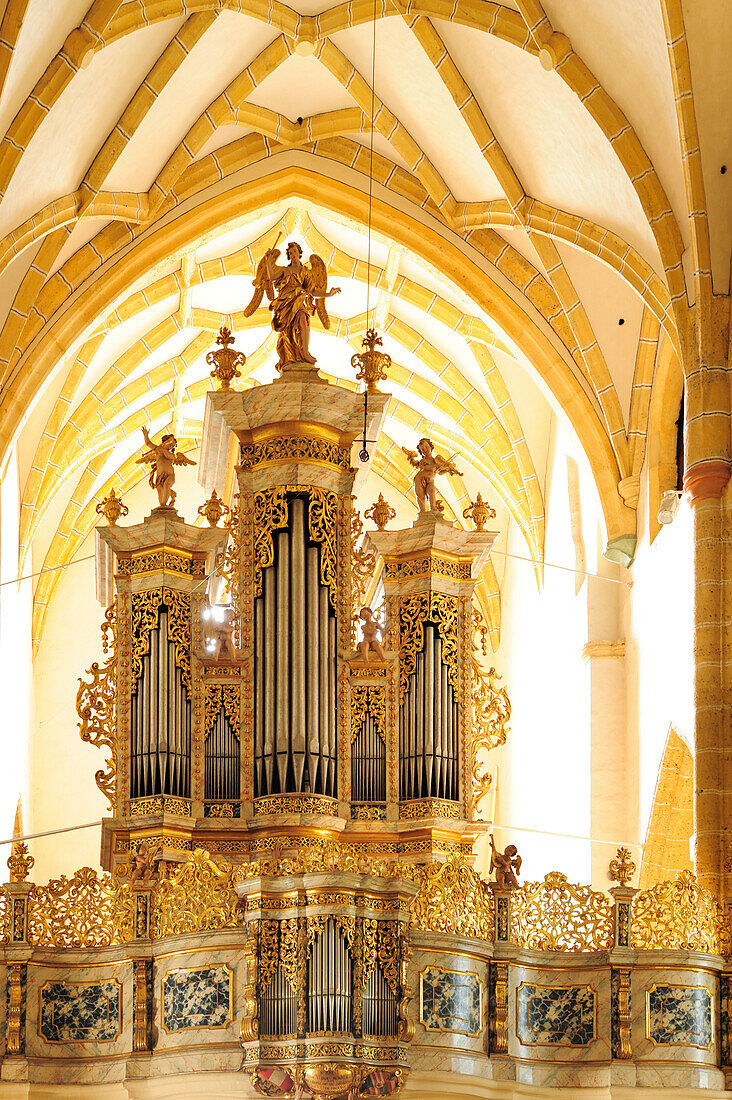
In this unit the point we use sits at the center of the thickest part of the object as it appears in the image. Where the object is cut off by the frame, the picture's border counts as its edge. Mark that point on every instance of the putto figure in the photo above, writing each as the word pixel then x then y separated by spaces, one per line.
pixel 295 293
pixel 506 864
pixel 428 465
pixel 370 629
pixel 163 457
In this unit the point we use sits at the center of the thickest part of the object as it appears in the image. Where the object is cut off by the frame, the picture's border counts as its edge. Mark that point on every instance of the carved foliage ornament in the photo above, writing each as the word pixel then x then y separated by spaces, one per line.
pixel 368 699
pixel 453 898
pixel 679 916
pixel 271 512
pixel 414 611
pixel 145 616
pixel 96 706
pixel 216 697
pixel 557 915
pixel 228 564
pixel 362 567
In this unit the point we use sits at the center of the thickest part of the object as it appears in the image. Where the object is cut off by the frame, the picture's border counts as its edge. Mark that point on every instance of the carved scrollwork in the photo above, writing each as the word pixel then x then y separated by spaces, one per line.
pixel 199 896
pixel 216 697
pixel 96 706
pixel 362 567
pixel 368 699
pixel 414 611
pixel 557 915
pixel 323 519
pixel 452 898
pixel 679 916
pixel 86 910
pixel 228 564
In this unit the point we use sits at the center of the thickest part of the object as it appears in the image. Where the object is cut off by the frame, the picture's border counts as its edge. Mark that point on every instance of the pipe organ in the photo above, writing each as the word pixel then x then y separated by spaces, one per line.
pixel 289 744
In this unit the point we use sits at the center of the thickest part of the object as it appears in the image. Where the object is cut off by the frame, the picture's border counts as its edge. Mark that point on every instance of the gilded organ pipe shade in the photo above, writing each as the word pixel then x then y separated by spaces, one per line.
pixel 278 1007
pixel 429 726
pixel 295 662
pixel 160 721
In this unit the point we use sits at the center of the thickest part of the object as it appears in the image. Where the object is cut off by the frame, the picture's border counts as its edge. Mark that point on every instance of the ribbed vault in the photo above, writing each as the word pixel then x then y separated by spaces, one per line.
pixel 527 200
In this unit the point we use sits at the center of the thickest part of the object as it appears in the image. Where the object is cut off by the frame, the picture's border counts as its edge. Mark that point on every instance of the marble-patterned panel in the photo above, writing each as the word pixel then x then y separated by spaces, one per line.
pixel 197 998
pixel 450 1001
pixel 680 1015
pixel 555 1015
pixel 724 1018
pixel 80 1012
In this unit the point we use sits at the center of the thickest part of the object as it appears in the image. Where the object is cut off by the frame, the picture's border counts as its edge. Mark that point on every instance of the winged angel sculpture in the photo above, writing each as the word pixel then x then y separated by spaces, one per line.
pixel 295 293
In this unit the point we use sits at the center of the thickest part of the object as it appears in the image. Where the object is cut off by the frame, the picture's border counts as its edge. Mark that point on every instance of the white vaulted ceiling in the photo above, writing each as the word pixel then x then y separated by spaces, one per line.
pixel 529 192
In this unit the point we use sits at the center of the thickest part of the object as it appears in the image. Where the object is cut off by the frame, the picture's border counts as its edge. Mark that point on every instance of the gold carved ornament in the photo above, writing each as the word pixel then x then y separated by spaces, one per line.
pixel 679 916
pixel 362 568
pixel 372 364
pixel 112 508
pixel 480 512
pixel 213 509
pixel 145 617
pixel 290 448
pixel 249 1029
pixel 381 512
pixel 216 698
pixel 414 611
pixel 271 512
pixel 198 897
pixel 96 706
pixel 622 868
pixel 557 915
pixel 19 861
pixel 227 564
pixel 86 910
pixel 368 699
pixel 452 898
pixel 491 711
pixel 225 360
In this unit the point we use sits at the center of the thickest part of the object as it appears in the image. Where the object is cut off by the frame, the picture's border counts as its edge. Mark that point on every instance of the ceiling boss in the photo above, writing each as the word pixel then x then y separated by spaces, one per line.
pixel 295 293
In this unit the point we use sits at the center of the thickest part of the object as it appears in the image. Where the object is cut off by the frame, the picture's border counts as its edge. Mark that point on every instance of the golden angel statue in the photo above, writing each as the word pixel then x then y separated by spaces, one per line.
pixel 428 465
pixel 162 457
pixel 295 293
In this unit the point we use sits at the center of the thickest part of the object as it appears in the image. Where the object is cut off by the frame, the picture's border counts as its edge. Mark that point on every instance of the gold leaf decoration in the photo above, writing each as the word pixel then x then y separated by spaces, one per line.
pixel 368 699
pixel 452 898
pixel 679 915
pixel 86 910
pixel 557 915
pixel 198 896
pixel 96 706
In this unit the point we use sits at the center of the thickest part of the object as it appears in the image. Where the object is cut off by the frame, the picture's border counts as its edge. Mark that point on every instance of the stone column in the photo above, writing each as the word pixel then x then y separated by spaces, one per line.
pixel 707 444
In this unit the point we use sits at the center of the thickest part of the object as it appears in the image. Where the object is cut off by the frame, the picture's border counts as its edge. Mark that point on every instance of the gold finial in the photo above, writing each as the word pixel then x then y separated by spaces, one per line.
pixel 372 364
pixel 112 508
pixel 213 509
pixel 225 360
pixel 19 862
pixel 622 869
pixel 380 512
pixel 479 512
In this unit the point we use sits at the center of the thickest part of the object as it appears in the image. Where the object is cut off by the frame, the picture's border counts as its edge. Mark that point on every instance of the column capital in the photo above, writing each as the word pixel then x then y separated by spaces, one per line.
pixel 706 480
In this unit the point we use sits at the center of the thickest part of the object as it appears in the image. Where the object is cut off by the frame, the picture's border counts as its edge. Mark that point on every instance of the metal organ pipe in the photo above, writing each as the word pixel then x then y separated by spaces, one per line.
pixel 282 732
pixel 297 637
pixel 267 701
pixel 324 705
pixel 429 726
pixel 313 665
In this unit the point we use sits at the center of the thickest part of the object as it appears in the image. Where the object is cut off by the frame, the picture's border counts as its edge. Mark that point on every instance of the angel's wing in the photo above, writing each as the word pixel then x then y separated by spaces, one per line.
pixel 149 456
pixel 318 284
pixel 445 465
pixel 262 282
pixel 517 864
pixel 180 459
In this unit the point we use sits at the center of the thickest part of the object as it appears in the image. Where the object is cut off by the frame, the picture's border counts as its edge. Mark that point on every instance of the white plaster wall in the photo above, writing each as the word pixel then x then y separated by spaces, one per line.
pixel 660 649
pixel 15 662
pixel 544 770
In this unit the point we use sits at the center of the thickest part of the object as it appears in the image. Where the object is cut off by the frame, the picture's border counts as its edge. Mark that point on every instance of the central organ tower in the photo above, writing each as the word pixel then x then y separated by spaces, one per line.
pixel 320 771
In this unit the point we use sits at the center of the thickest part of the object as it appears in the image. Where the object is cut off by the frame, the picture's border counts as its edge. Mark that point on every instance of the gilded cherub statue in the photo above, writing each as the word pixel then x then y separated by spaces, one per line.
pixel 142 865
pixel 428 465
pixel 162 457
pixel 505 864
pixel 370 629
pixel 295 293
